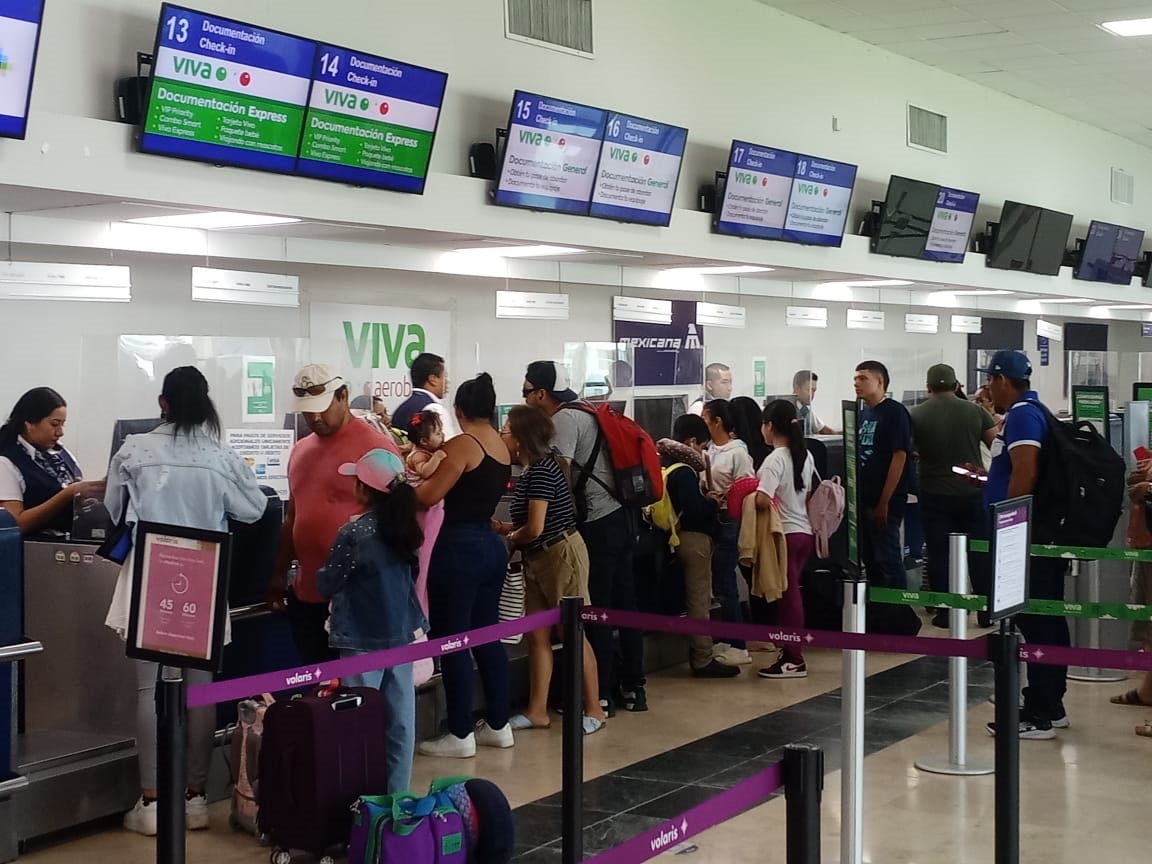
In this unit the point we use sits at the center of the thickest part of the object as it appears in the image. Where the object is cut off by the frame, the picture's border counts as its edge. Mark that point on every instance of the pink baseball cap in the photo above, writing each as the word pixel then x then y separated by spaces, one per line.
pixel 380 469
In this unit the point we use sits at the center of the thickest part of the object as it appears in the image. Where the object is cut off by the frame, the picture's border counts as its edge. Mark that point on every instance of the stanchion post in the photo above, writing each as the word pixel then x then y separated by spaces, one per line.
pixel 171 767
pixel 852 724
pixel 1089 572
pixel 572 794
pixel 803 791
pixel 1005 650
pixel 957 763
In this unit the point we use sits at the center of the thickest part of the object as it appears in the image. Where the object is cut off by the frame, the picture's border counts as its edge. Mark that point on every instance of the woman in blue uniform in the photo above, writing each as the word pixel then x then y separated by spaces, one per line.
pixel 39 479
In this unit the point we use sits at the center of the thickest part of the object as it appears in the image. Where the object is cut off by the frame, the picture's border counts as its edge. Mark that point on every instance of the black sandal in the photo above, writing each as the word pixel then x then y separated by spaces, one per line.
pixel 1132 697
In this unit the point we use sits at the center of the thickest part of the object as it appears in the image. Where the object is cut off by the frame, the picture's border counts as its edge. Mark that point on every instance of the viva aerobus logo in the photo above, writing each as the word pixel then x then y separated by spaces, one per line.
pixel 746 179
pixel 541 139
pixel 623 154
pixel 387 341
pixel 350 101
pixel 813 189
pixel 204 69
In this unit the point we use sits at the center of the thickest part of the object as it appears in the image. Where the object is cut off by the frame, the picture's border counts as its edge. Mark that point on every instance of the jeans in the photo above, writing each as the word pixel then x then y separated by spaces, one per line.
pixel 800 548
pixel 1044 695
pixel 952 514
pixel 201 727
pixel 880 549
pixel 612 585
pixel 695 556
pixel 307 622
pixel 465 578
pixel 399 721
pixel 725 561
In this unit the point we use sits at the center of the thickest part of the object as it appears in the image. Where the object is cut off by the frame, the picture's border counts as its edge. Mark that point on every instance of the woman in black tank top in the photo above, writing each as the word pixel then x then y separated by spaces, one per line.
pixel 466 573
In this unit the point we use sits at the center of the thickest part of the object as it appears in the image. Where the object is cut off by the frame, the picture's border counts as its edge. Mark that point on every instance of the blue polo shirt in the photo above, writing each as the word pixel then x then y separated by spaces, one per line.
pixel 1025 423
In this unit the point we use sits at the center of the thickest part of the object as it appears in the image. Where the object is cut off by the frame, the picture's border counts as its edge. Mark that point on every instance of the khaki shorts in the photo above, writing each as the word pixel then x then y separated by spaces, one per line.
pixel 551 574
pixel 1141 595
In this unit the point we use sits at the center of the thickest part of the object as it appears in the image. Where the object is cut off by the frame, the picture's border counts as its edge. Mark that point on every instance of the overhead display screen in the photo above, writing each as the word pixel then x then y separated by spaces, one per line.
pixel 1110 253
pixel 1030 238
pixel 370 121
pixel 551 154
pixel 951 225
pixel 227 92
pixel 907 218
pixel 639 170
pixel 19 40
pixel 818 206
pixel 757 192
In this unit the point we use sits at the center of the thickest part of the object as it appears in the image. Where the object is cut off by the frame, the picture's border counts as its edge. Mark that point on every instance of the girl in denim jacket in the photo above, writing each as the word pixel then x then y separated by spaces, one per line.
pixel 370 577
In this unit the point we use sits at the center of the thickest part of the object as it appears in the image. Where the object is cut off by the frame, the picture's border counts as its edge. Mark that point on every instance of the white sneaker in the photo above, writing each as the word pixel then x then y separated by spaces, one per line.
pixel 196 813
pixel 141 818
pixel 720 647
pixel 733 657
pixel 451 747
pixel 502 739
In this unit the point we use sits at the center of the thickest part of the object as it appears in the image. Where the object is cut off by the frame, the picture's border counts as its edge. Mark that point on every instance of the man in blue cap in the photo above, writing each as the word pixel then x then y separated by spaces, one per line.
pixel 1014 472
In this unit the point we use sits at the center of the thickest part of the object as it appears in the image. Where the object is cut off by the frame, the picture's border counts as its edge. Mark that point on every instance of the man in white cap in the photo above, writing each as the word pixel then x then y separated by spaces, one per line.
pixel 320 501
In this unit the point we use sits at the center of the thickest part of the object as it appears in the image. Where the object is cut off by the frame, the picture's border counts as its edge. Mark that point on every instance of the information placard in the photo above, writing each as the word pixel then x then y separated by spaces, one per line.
pixel 227 92
pixel 266 452
pixel 1011 540
pixel 639 170
pixel 1091 404
pixel 551 153
pixel 951 226
pixel 19 41
pixel 371 121
pixel 757 191
pixel 179 596
pixel 852 480
pixel 818 207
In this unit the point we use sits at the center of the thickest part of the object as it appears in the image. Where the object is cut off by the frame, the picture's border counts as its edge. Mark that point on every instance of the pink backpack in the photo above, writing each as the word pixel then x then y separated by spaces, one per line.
pixel 825 512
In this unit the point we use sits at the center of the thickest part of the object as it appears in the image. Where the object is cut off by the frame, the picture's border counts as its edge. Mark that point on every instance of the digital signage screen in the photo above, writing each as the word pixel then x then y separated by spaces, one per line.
pixel 1031 239
pixel 19 40
pixel 906 219
pixel 1110 253
pixel 550 155
pixel 370 121
pixel 639 170
pixel 227 92
pixel 952 219
pixel 757 191
pixel 818 205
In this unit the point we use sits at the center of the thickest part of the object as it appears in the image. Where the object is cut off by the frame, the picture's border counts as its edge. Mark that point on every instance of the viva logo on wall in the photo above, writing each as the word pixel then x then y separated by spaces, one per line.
pixel 373 346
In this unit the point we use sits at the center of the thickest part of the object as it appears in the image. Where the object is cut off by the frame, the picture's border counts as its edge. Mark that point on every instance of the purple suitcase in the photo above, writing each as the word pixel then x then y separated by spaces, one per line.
pixel 318 756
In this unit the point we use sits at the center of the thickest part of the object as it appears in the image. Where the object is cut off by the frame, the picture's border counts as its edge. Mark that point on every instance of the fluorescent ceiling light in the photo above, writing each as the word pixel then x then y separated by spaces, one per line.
pixel 869 283
pixel 214 220
pixel 974 292
pixel 727 270
pixel 520 251
pixel 1129 27
pixel 1063 300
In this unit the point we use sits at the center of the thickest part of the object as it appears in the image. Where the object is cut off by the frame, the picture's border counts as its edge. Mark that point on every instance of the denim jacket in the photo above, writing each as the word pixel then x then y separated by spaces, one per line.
pixel 373 590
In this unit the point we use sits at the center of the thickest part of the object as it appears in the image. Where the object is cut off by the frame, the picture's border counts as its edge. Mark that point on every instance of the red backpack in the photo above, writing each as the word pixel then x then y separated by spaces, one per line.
pixel 632 452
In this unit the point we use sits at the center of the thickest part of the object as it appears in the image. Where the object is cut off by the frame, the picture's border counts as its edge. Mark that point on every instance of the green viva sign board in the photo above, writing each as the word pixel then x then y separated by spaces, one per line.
pixel 373 346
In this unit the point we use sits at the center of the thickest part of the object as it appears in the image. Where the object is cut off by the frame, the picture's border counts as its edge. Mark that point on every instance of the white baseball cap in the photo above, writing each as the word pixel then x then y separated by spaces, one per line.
pixel 314 387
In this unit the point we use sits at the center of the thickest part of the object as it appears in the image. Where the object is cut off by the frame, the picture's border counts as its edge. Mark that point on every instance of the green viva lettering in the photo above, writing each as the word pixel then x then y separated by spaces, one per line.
pixel 386 341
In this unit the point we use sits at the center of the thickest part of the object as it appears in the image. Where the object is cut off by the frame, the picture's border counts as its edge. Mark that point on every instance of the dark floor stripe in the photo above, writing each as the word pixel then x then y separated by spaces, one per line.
pixel 899 703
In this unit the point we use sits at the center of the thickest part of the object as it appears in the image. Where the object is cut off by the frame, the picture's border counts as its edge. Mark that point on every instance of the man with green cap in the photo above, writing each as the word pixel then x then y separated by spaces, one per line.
pixel 947 431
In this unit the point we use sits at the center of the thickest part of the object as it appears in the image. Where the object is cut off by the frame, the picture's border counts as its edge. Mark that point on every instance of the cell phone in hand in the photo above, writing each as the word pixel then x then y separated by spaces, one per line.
pixel 969 474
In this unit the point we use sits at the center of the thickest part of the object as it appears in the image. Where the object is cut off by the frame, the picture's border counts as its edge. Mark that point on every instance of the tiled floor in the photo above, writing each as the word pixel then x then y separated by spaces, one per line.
pixel 1084 795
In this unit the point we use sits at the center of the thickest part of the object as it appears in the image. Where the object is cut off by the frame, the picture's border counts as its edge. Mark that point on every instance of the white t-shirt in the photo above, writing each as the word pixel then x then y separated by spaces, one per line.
pixel 730 462
pixel 447 415
pixel 777 481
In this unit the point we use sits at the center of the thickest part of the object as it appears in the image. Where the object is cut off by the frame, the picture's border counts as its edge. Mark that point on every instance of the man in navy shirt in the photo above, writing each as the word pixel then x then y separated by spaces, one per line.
pixel 1013 473
pixel 885 440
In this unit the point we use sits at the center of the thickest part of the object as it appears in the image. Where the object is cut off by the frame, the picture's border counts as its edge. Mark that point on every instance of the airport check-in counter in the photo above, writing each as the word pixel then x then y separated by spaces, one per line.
pixel 77 714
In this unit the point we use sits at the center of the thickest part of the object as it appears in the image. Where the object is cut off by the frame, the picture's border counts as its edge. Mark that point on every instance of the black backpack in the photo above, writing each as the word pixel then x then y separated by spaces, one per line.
pixel 1080 486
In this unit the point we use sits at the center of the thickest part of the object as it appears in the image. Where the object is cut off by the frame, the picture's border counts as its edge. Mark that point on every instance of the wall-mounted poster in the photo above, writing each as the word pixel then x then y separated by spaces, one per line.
pixel 666 355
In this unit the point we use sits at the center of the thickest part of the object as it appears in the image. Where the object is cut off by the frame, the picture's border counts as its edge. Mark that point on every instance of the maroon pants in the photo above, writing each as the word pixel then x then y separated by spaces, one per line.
pixel 800 548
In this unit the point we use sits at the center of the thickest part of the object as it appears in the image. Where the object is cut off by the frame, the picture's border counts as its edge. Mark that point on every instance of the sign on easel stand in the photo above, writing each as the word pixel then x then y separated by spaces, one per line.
pixel 179 601
pixel 1011 540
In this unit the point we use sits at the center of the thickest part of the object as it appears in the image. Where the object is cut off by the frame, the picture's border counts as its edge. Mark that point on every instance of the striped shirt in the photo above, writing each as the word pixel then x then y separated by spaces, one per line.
pixel 545 481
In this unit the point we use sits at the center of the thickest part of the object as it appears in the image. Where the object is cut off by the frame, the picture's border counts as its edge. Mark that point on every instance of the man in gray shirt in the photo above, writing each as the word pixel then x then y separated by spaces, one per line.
pixel 609 530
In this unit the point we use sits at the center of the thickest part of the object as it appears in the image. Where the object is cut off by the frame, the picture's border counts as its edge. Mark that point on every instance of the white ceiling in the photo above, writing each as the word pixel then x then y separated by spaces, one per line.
pixel 1047 52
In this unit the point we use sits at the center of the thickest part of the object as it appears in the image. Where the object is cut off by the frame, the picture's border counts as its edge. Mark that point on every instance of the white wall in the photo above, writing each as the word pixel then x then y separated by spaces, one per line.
pixel 724 68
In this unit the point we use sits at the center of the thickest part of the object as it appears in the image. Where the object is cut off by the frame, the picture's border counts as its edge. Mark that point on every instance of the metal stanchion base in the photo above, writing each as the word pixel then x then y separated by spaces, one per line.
pixel 943 766
pixel 1097 676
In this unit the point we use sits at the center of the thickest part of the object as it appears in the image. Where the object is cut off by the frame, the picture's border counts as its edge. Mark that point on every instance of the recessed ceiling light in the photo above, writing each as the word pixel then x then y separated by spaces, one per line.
pixel 974 292
pixel 214 220
pixel 868 283
pixel 1128 306
pixel 733 270
pixel 520 251
pixel 1129 27
pixel 1063 301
